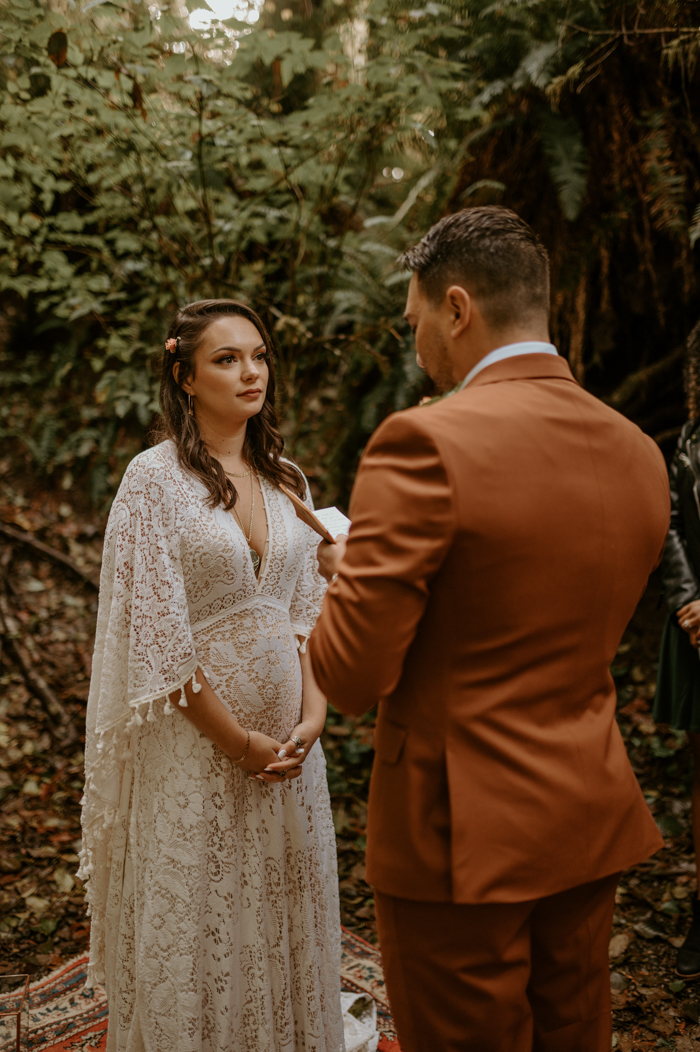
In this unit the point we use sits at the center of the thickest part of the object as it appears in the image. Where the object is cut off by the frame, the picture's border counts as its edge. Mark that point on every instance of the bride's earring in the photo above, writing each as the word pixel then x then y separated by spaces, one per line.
pixel 189 405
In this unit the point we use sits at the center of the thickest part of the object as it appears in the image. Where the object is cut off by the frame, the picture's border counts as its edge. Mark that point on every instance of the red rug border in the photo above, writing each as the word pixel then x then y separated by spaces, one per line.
pixel 385 1045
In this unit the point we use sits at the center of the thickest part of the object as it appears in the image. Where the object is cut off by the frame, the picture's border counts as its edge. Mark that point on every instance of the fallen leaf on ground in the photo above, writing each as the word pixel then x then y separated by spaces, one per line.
pixel 618 944
pixel 36 904
pixel 63 880
pixel 648 931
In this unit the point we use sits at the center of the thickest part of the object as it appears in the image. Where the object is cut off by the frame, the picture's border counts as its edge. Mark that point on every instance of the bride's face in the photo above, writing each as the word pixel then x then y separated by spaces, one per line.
pixel 230 372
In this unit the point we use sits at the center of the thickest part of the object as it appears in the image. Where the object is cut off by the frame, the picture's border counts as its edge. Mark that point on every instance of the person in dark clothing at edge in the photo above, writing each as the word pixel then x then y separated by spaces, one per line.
pixel 677 701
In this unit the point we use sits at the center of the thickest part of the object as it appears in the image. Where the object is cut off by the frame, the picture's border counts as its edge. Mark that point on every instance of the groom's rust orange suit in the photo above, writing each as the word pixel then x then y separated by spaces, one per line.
pixel 500 541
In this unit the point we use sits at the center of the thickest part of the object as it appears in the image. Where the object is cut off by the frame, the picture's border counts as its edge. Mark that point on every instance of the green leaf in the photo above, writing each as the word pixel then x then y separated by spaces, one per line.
pixel 694 229
pixel 567 162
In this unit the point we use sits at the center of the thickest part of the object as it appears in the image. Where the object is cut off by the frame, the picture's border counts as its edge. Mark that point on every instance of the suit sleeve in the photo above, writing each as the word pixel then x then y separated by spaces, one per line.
pixel 402 527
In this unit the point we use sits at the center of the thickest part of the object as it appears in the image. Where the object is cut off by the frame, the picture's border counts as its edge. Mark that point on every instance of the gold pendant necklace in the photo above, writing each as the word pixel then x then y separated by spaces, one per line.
pixel 255 558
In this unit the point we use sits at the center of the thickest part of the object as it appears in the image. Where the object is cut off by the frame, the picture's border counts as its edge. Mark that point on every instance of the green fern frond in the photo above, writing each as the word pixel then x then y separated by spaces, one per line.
pixel 557 85
pixel 666 181
pixel 567 162
pixel 694 229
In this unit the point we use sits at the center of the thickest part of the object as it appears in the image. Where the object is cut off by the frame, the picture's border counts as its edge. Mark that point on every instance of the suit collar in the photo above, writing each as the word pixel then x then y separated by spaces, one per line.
pixel 508 350
pixel 523 367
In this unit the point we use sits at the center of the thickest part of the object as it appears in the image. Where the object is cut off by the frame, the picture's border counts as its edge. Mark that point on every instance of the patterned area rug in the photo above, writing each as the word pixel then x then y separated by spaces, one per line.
pixel 65 1017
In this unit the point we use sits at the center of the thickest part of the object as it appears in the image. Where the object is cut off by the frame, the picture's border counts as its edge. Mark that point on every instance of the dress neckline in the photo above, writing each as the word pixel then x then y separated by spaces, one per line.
pixel 267 548
pixel 265 557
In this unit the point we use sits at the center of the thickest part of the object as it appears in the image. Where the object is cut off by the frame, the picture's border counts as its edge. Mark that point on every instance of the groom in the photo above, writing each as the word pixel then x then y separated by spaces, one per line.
pixel 500 541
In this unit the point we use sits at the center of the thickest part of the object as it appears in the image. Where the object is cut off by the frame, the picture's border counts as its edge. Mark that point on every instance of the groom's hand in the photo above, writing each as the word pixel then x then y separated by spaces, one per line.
pixel 330 555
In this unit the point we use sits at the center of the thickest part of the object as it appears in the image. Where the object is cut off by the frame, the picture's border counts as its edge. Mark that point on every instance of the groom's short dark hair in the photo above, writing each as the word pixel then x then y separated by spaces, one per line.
pixel 493 254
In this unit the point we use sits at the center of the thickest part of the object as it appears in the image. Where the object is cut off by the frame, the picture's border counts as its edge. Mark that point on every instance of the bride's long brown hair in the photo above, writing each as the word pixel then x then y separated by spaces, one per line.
pixel 263 446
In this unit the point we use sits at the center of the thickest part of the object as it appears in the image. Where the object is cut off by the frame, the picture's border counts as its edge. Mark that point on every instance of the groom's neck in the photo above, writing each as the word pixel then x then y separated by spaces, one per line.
pixel 476 344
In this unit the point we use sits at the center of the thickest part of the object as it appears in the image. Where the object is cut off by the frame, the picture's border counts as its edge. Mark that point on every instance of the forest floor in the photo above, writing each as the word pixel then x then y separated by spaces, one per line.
pixel 47 614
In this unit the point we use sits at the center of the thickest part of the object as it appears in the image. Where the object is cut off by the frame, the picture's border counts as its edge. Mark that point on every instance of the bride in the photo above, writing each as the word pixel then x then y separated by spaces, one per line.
pixel 208 844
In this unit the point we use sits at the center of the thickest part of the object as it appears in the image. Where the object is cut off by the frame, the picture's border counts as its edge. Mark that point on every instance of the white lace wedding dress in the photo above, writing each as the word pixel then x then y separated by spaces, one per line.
pixel 214 897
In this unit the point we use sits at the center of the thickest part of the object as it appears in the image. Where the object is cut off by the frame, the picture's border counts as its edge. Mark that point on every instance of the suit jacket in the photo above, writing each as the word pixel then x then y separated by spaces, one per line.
pixel 500 542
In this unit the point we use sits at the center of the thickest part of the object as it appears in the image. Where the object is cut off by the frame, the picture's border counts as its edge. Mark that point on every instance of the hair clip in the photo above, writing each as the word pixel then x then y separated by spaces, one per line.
pixel 173 344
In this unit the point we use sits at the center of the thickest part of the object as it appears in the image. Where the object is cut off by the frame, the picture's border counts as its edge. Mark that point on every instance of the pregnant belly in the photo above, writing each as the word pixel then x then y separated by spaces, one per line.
pixel 251 661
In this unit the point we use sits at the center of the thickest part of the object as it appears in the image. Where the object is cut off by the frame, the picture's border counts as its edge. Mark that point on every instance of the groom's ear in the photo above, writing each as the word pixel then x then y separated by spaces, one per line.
pixel 459 306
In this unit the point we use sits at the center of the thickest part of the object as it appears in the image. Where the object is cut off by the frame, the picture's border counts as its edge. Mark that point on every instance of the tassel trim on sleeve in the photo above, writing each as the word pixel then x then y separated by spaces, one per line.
pixel 104 777
pixel 301 638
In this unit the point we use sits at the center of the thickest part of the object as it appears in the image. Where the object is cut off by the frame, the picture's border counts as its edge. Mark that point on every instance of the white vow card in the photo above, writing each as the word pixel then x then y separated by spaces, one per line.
pixel 334 520
pixel 317 521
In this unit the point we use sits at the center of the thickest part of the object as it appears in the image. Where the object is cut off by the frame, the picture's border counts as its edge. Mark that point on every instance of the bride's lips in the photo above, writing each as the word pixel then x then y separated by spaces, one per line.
pixel 251 395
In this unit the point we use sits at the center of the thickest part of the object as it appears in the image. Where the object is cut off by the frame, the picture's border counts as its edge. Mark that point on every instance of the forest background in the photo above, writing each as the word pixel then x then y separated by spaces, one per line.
pixel 152 154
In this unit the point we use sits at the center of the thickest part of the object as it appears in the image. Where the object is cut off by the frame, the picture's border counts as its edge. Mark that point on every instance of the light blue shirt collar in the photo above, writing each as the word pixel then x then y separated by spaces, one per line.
pixel 511 350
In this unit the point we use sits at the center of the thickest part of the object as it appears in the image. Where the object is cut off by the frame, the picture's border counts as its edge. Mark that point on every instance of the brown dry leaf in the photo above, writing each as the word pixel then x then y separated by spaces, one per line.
pixel 57 48
pixel 689 1009
pixel 359 871
pixel 618 944
pixel 43 851
pixel 663 1025
pixel 684 1043
pixel 36 904
pixel 365 912
pixel 654 993
pixel 63 880
pixel 648 931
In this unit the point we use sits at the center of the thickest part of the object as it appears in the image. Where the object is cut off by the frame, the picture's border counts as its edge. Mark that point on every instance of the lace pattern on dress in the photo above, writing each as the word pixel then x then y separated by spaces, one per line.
pixel 177 592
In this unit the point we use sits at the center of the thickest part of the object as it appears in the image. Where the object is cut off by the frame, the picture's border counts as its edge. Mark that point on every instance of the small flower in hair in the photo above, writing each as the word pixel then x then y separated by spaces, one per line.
pixel 172 344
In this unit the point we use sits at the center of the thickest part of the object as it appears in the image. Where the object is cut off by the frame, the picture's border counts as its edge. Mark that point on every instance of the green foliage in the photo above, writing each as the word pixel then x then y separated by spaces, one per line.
pixel 694 229
pixel 667 183
pixel 144 166
pixel 566 156
pixel 584 113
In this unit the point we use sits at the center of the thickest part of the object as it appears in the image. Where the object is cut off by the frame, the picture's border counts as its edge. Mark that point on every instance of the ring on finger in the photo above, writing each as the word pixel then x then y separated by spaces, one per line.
pixel 686 624
pixel 297 741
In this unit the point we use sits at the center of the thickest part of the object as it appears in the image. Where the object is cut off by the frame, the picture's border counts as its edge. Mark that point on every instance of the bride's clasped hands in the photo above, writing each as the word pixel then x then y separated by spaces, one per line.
pixel 292 754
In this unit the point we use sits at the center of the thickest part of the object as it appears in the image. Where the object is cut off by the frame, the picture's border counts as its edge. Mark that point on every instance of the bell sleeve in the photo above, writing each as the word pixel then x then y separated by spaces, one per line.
pixel 310 588
pixel 144 651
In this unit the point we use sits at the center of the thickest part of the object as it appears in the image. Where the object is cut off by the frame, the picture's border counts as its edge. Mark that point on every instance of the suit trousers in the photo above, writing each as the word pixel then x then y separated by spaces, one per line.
pixel 500 977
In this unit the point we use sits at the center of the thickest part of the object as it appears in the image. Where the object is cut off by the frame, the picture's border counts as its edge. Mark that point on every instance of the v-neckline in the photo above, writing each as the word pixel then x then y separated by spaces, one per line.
pixel 268 540
pixel 248 546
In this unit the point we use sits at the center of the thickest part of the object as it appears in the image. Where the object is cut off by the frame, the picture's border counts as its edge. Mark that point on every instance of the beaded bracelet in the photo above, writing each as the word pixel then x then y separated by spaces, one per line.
pixel 245 751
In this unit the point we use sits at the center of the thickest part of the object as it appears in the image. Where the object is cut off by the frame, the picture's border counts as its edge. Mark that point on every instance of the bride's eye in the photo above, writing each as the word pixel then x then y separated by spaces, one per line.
pixel 226 359
pixel 262 357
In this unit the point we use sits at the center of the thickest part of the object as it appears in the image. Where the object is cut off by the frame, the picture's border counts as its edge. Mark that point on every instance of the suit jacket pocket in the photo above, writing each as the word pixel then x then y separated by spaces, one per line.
pixel 389 740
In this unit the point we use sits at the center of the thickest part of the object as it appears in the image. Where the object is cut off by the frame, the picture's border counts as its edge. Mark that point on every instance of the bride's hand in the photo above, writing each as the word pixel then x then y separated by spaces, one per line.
pixel 291 756
pixel 261 752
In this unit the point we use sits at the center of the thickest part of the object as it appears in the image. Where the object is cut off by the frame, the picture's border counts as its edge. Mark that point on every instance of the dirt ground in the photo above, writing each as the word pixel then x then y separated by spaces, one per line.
pixel 47 614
